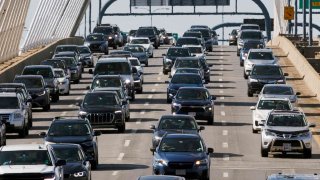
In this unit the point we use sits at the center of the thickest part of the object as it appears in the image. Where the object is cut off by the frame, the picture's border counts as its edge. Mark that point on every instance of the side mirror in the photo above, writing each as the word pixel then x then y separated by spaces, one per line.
pixel 152 126
pixel 29 100
pixel 286 74
pixel 153 150
pixel 262 123
pixel 96 133
pixel 171 96
pixel 167 82
pixel 298 93
pixel 124 102
pixel 42 134
pixel 88 87
pixel 163 54
pixel 68 76
pixel 61 162
pixel 201 128
pixel 90 71
pixel 252 108
pixel 213 97
pixel 210 150
pixel 312 125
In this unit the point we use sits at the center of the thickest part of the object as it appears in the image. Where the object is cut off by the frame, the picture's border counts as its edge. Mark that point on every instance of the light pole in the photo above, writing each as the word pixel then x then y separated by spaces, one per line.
pixel 151 11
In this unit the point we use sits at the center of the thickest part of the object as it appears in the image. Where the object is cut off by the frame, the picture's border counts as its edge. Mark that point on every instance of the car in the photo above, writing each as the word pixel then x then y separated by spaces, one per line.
pixel 137 79
pixel 246 35
pixel 103 110
pixel 136 63
pixel 194 101
pixel 131 34
pixel 145 42
pixel 23 91
pixel 233 37
pixel 64 82
pixel 258 56
pixel 56 63
pixel 264 106
pixel 170 57
pixel 108 33
pixel 74 55
pixel 249 26
pixel 67 48
pixel 214 37
pixel 49 77
pixel 150 33
pixel 184 155
pixel 125 37
pixel 263 74
pixel 196 50
pixel 190 70
pixel 163 177
pixel 139 52
pixel 177 123
pixel 169 39
pixel 195 34
pixel 86 57
pixel 186 62
pixel 97 43
pixel 30 161
pixel 116 66
pixel 285 132
pixel 74 68
pixel 77 164
pixel 103 81
pixel 117 34
pixel 37 89
pixel 280 91
pixel 247 45
pixel 207 35
pixel 181 80
pixel 76 131
pixel 188 41
pixel 281 176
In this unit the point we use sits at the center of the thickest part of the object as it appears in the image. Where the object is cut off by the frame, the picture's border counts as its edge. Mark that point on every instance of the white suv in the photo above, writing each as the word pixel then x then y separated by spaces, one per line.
pixel 264 106
pixel 14 112
pixel 30 161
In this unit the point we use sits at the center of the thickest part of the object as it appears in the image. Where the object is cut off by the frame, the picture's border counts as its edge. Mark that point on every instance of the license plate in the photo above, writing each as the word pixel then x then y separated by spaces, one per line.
pixel 286 146
pixel 192 113
pixel 181 172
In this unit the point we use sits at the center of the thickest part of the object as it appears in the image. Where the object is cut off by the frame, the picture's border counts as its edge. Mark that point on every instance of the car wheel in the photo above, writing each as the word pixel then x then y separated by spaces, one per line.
pixel 94 164
pixel 241 63
pixel 210 120
pixel 76 81
pixel 245 76
pixel 133 96
pixel 30 123
pixel 254 131
pixel 264 152
pixel 23 132
pixel 249 93
pixel 140 90
pixel 165 72
pixel 106 52
pixel 169 100
pixel 151 55
pixel 122 128
pixel 4 139
pixel 238 52
pixel 307 153
pixel 68 92
pixel 146 64
pixel 46 107
pixel 128 118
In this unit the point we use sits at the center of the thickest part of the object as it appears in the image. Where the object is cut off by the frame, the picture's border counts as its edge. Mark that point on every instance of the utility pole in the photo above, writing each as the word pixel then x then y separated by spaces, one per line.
pixel 304 19
pixel 310 23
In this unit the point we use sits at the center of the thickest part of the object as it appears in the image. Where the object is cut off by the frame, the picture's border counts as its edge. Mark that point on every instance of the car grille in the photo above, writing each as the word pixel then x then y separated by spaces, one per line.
pixel 180 165
pixel 5 117
pixel 187 109
pixel 94 47
pixel 286 135
pixel 23 176
pixel 100 118
pixel 294 143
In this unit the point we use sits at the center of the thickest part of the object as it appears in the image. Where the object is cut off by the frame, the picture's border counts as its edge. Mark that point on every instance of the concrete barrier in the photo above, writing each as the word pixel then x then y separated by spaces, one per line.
pixel 311 77
pixel 8 74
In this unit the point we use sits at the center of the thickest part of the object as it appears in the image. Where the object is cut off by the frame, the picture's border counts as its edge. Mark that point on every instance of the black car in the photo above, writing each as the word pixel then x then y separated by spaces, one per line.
pixel 207 35
pixel 262 74
pixel 206 69
pixel 73 55
pixel 194 101
pixel 172 54
pixel 150 33
pixel 108 33
pixel 73 67
pixel 57 63
pixel 194 34
pixel 77 164
pixel 233 37
pixel 103 109
pixel 188 41
pixel 75 131
pixel 137 79
pixel 37 89
pixel 174 124
pixel 182 80
pixel 97 42
pixel 86 57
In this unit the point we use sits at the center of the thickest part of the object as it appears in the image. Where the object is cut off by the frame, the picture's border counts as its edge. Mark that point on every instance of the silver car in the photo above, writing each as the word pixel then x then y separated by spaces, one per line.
pixel 280 91
pixel 286 131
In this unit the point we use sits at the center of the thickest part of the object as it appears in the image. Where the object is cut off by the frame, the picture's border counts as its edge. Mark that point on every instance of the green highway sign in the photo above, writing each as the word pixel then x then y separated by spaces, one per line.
pixel 315 4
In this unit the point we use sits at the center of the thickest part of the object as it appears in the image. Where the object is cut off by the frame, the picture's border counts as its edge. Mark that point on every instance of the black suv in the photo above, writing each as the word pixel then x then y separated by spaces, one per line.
pixel 151 34
pixel 75 131
pixel 188 41
pixel 262 74
pixel 103 109
pixel 108 33
pixel 172 54
pixel 97 42
pixel 49 77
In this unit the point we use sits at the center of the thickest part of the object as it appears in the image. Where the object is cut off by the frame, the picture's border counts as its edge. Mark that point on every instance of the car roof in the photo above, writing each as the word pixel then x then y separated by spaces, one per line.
pixel 198 88
pixel 102 92
pixel 58 69
pixel 29 76
pixel 139 38
pixel 250 30
pixel 186 74
pixel 273 98
pixel 65 145
pixel 277 85
pixel 175 115
pixel 25 147
pixel 112 59
pixel 261 50
pixel 190 45
pixel 38 66
pixel 249 25
pixel 177 47
pixel 101 34
pixel 182 136
pixel 65 52
pixel 107 88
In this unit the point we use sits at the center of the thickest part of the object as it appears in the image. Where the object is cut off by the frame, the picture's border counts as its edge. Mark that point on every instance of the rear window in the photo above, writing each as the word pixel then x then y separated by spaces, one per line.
pixel 30 82
pixel 260 55
pixel 192 41
pixel 45 72
pixel 266 71
pixel 182 79
pixel 113 68
pixel 95 38
pixel 251 35
pixel 145 31
pixel 281 90
pixel 103 30
pixel 65 48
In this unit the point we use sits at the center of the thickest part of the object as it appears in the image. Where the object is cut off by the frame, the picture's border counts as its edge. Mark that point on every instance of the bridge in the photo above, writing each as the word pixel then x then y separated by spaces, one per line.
pixel 31 29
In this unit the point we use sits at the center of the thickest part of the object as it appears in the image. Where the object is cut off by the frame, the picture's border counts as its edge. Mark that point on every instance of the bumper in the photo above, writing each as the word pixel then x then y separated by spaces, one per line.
pixel 137 85
pixel 287 145
pixel 14 126
pixel 40 101
pixel 192 173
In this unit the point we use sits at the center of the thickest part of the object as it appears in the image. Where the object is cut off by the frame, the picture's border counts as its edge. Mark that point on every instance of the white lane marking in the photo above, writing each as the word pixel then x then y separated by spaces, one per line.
pixel 225 175
pixel 33 142
pixel 153 90
pixel 225 132
pixel 78 98
pixel 138 121
pixel 126 143
pixel 114 173
pixel 142 112
pixel 150 96
pixel 225 145
pixel 220 61
pixel 146 104
pixel 220 74
pixel 70 106
pixel 288 171
pixel 120 157
pixel 159 78
pixel 221 97
pixel 84 92
pixel 221 57
pixel 221 91
pixel 222 105
pixel 222 53
pixel 221 68
pixel 223 113
pixel 221 85
pixel 220 79
pixel 63 113
pixel 224 123
pixel 156 84
pixel 226 157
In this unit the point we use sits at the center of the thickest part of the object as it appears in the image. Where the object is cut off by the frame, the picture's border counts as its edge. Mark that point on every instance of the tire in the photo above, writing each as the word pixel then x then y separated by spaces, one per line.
pixel 23 133
pixel 210 120
pixel 307 153
pixel 30 123
pixel 127 118
pixel 169 100
pixel 241 63
pixel 238 52
pixel 165 72
pixel 249 93
pixel 77 81
pixel 264 152
pixel 156 47
pixel 46 107
pixel 245 76
pixel 55 97
pixel 133 96
pixel 94 164
pixel 122 128
pixel 140 90
pixel 146 64
pixel 254 131
pixel 68 90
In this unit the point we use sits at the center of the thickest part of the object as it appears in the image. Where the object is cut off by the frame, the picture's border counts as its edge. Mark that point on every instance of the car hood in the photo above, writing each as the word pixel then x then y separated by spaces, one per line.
pixel 7 111
pixel 182 156
pixel 98 109
pixel 268 77
pixel 192 102
pixel 95 42
pixel 139 54
pixel 20 169
pixel 68 139
pixel 291 97
pixel 177 86
pixel 146 46
pixel 259 61
pixel 161 132
pixel 73 167
pixel 286 129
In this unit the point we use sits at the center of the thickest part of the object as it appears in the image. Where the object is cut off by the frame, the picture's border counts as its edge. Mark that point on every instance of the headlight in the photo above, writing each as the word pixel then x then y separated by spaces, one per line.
pixel 268 133
pixel 253 80
pixel 208 107
pixel 110 37
pixel 280 81
pixel 118 112
pixel 161 161
pixel 80 174
pixel 83 113
pixel 17 115
pixel 208 71
pixel 74 71
pixel 201 162
pixel 86 44
pixel 168 60
pixel 127 81
pixel 305 134
pixel 41 93
pixel 158 138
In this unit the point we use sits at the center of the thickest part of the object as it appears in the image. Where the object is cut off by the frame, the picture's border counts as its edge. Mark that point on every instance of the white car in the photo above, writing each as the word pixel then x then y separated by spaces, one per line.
pixel 136 63
pixel 30 161
pixel 264 106
pixel 280 91
pixel 145 42
pixel 258 56
pixel 63 81
pixel 196 50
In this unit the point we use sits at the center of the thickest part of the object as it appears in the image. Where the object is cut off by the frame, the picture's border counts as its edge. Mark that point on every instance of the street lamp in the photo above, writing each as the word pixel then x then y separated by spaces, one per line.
pixel 148 9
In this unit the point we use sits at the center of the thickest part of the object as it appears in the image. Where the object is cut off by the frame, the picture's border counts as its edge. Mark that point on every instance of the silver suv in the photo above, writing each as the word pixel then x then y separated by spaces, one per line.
pixel 286 131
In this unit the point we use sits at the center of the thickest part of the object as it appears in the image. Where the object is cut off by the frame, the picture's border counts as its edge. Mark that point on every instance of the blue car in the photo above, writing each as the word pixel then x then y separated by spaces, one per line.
pixel 139 52
pixel 97 43
pixel 183 155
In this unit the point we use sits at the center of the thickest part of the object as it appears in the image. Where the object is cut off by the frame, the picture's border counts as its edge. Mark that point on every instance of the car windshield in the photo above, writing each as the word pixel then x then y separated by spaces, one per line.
pixel 121 53
pixel 70 154
pixel 192 41
pixel 106 82
pixel 59 73
pixel 69 129
pixel 95 38
pixel 51 63
pixel 139 41
pixel 65 48
pixel 84 50
pixel 177 123
pixel 192 94
pixel 188 70
pixel 70 61
pixel 252 45
pixel 281 90
pixel 103 30
pixel 294 120
pixel 260 55
pixel 134 62
pixel 251 35
pixel 9 103
pixel 179 52
pixel 234 32
pixel 181 145
pixel 274 104
pixel 25 157
pixel 44 72
pixel 30 83
pixel 145 32
pixel 187 64
pixel 250 27
pixel 266 71
pixel 132 32
pixel 196 50
pixel 192 34
pixel 113 68
pixel 134 49
pixel 183 79
pixel 99 100
pixel 204 32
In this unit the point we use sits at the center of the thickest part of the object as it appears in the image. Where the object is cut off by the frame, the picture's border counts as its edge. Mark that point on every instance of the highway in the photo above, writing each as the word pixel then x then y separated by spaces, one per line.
pixel 237 151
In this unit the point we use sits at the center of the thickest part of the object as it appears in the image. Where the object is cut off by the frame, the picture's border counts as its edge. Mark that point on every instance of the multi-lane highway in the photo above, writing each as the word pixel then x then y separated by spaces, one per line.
pixel 237 150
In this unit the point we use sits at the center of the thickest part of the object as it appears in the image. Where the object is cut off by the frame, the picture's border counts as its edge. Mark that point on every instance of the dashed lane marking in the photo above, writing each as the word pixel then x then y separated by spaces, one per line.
pixel 126 143
pixel 220 79
pixel 146 104
pixel 224 123
pixel 120 157
pixel 223 113
pixel 78 98
pixel 63 113
pixel 225 132
pixel 221 97
pixel 221 85
pixel 225 145
pixel 225 175
pixel 150 96
pixel 114 173
pixel 142 112
pixel 138 121
pixel 159 78
pixel 156 84
pixel 226 157
pixel 221 91
pixel 153 90
pixel 70 106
